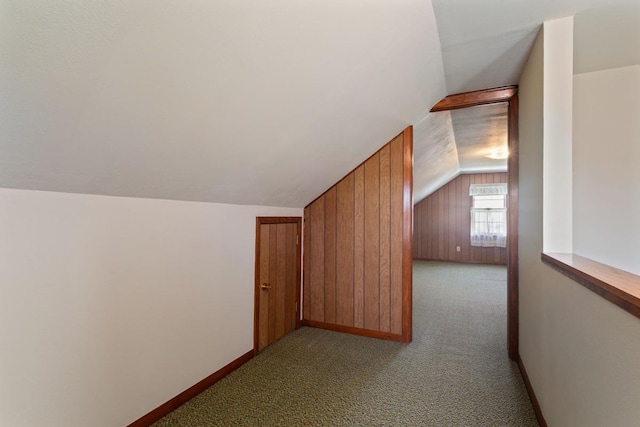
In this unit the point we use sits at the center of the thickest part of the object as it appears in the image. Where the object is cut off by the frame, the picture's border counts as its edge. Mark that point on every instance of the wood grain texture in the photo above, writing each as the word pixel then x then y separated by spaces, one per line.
pixel 366 259
pixel 617 286
pixel 290 279
pixel 354 331
pixel 273 278
pixel 279 289
pixel 278 266
pixel 372 243
pixel 330 235
pixel 396 243
pixel 182 398
pixel 445 224
pixel 306 271
pixel 407 234
pixel 263 297
pixel 385 239
pixel 316 260
pixel 345 251
pixel 480 97
pixel 358 249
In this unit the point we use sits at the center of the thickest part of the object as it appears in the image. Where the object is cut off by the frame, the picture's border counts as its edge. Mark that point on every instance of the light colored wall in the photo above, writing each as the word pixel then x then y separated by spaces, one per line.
pixel 557 131
pixel 580 351
pixel 111 306
pixel 606 151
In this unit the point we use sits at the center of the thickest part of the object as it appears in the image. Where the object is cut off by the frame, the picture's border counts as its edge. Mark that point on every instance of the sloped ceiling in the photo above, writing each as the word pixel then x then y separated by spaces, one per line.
pixel 260 102
pixel 245 102
pixel 485 44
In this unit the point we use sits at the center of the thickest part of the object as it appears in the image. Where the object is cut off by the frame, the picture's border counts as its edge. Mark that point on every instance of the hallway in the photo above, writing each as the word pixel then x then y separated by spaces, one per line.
pixel 455 373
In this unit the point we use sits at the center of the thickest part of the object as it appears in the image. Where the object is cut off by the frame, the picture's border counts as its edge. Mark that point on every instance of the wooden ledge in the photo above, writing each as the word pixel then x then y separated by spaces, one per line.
pixel 617 286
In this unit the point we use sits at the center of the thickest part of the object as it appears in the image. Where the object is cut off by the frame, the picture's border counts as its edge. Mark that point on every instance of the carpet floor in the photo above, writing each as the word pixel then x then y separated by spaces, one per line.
pixel 455 372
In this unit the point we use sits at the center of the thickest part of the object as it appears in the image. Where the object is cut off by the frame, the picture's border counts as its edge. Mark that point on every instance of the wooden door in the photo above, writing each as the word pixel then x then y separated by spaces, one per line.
pixel 277 278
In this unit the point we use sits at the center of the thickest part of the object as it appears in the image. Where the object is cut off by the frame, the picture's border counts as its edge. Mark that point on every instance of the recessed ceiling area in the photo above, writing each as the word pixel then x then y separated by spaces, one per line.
pixel 481 131
pixel 450 143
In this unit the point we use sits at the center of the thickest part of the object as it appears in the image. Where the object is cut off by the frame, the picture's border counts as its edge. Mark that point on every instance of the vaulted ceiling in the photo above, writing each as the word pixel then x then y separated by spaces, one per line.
pixel 253 101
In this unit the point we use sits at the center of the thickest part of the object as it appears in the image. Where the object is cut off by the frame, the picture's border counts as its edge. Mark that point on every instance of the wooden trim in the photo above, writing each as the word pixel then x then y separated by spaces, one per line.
pixel 617 286
pixel 256 294
pixel 191 392
pixel 353 330
pixel 407 237
pixel 256 276
pixel 513 162
pixel 491 96
pixel 532 395
pixel 478 97
pixel 277 219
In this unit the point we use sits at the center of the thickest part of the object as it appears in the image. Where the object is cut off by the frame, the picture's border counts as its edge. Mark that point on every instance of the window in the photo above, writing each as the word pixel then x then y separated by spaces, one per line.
pixel 489 215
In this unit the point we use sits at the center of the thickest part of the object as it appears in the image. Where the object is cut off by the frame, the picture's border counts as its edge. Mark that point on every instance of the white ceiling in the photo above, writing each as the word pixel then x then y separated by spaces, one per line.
pixel 486 43
pixel 246 102
pixel 254 101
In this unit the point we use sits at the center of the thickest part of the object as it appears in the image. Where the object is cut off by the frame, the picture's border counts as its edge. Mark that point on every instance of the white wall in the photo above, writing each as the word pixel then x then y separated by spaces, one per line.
pixel 580 351
pixel 557 130
pixel 111 306
pixel 606 152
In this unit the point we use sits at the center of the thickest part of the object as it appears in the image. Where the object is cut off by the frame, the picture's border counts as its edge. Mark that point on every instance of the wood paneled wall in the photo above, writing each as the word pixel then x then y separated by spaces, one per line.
pixel 357 248
pixel 442 221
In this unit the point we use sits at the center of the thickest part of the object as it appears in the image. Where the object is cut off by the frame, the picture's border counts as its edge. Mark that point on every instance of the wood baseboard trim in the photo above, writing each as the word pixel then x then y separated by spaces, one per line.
pixel 191 392
pixel 354 331
pixel 532 394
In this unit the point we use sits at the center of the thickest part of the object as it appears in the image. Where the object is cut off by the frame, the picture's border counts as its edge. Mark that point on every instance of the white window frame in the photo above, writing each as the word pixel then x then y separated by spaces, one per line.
pixel 488 226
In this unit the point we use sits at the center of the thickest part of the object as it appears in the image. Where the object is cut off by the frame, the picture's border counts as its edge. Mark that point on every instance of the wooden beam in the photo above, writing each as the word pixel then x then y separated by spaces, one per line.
pixel 478 97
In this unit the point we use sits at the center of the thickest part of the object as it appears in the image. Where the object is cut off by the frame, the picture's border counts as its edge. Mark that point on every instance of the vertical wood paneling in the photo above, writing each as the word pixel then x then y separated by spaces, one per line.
pixel 330 235
pixel 372 242
pixel 345 251
pixel 396 241
pixel 263 321
pixel 452 215
pixel 290 296
pixel 445 223
pixel 465 220
pixel 358 253
pixel 306 262
pixel 358 248
pixel 316 260
pixel 385 239
pixel 281 277
pixel 273 276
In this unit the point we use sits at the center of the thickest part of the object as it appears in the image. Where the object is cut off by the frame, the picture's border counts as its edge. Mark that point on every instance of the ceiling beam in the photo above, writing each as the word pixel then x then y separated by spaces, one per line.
pixel 478 97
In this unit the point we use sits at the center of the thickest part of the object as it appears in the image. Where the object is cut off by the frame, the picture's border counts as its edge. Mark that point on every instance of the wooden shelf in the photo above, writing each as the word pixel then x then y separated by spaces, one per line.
pixel 617 286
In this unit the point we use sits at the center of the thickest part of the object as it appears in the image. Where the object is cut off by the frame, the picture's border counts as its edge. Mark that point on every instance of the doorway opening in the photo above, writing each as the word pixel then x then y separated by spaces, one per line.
pixel 502 95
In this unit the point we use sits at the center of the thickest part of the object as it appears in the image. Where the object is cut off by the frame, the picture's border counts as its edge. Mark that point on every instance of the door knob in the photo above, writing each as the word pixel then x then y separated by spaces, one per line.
pixel 265 287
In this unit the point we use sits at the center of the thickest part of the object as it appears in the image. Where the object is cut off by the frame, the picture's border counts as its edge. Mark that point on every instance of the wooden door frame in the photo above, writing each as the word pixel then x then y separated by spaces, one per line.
pixel 260 220
pixel 508 94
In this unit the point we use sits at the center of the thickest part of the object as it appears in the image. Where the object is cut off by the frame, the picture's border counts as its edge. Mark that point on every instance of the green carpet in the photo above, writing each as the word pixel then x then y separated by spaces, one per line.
pixel 455 373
